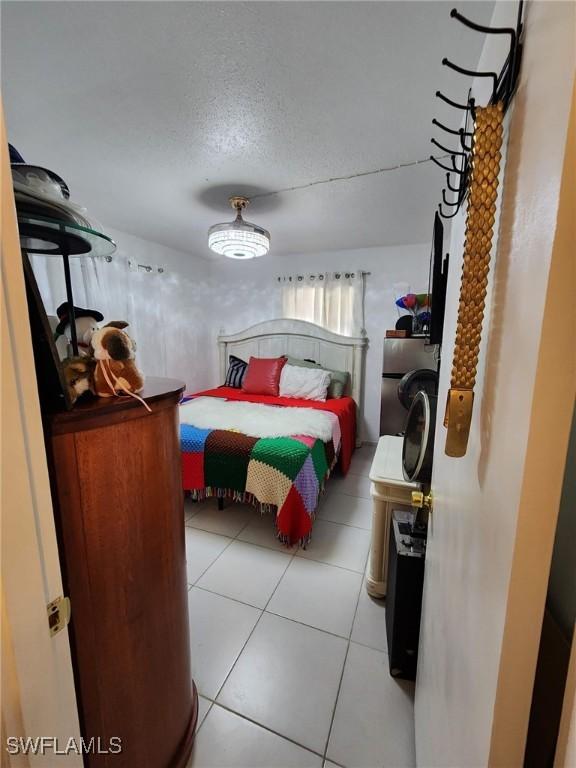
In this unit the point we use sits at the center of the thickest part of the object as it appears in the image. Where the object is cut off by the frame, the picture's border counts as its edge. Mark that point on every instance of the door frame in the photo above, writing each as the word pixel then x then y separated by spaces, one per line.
pixel 38 695
pixel 544 465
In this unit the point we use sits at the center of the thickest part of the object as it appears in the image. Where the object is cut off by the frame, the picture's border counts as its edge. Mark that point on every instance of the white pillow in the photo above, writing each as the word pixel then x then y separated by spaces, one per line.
pixel 306 383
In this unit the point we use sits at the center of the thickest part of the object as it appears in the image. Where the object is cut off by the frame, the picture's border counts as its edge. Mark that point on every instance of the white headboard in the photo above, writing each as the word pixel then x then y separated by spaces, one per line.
pixel 304 340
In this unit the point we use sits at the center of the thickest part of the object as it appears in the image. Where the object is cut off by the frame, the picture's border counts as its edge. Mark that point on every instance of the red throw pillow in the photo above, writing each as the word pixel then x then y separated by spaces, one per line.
pixel 263 375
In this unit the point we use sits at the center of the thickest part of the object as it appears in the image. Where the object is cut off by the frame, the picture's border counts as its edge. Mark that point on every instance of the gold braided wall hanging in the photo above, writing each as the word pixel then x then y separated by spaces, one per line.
pixel 480 215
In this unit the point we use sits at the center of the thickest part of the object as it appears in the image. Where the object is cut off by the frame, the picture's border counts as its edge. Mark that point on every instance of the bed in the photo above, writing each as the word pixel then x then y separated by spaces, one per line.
pixel 286 473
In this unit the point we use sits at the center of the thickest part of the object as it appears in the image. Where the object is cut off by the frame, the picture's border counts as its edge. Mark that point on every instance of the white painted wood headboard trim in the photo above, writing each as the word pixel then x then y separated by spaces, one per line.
pixel 301 339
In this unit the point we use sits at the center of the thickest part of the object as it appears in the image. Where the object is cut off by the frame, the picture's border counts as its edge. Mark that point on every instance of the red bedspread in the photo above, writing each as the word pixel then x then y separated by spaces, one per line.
pixel 344 408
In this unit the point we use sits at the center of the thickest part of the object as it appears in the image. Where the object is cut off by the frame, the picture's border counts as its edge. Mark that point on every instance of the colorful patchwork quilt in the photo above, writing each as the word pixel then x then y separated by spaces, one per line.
pixel 283 475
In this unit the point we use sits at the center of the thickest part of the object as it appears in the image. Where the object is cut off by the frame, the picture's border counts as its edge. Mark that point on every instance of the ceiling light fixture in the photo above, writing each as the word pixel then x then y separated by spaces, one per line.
pixel 239 239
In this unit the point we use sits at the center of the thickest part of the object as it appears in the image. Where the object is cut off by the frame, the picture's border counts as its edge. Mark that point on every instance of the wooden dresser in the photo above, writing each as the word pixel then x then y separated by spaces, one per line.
pixel 116 483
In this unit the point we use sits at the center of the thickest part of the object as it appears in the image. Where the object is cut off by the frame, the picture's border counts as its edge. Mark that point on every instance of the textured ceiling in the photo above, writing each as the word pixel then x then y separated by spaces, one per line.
pixel 155 112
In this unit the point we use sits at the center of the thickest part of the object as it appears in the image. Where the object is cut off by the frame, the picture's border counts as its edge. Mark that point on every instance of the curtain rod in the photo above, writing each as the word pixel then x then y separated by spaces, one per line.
pixel 133 265
pixel 321 274
pixel 149 268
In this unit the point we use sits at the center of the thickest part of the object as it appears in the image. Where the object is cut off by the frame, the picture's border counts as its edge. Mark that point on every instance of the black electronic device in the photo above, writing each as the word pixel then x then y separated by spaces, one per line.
pixel 439 282
pixel 406 556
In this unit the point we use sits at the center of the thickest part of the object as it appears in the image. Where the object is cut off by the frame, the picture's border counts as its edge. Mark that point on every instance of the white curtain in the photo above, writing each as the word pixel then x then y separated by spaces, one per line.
pixel 120 292
pixel 334 300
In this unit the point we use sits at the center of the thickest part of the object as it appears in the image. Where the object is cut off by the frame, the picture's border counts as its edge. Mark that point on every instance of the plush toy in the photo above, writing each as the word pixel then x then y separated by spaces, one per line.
pixel 115 372
pixel 86 322
pixel 79 375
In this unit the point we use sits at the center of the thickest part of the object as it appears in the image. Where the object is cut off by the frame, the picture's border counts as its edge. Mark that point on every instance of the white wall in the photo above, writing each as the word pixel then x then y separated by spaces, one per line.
pixel 471 701
pixel 247 292
pixel 170 313
pixel 175 317
pixel 206 298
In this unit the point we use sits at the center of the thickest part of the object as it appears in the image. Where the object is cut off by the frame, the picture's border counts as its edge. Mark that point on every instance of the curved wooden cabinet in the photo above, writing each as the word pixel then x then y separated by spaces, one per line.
pixel 117 490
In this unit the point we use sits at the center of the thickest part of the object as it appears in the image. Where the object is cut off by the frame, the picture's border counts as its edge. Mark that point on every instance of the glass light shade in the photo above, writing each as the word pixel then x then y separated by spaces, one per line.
pixel 239 239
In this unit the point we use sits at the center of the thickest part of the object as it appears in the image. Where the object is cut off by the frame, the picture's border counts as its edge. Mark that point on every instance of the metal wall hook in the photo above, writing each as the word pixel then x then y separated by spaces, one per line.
pixel 447 202
pixel 450 187
pixel 508 79
pixel 446 215
pixel 455 14
pixel 463 144
pixel 515 56
pixel 445 167
pixel 445 128
pixel 440 95
pixel 444 149
pixel 447 63
pixel 464 168
pixel 505 84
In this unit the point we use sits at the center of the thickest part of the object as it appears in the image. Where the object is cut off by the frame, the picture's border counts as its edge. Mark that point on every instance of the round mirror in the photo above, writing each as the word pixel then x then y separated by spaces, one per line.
pixel 418 447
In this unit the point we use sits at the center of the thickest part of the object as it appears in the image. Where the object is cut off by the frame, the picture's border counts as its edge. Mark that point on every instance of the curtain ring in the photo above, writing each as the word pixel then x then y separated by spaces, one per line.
pixel 337 275
pixel 300 278
pixel 320 277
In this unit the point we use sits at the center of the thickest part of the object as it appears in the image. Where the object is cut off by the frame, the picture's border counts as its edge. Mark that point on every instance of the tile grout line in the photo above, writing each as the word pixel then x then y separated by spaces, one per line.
pixel 263 610
pixel 332 565
pixel 205 716
pixel 298 548
pixel 214 703
pixel 296 621
pixel 239 714
pixel 193 584
pixel 348 525
pixel 232 539
pixel 236 599
pixel 309 626
pixel 294 554
pixel 267 728
pixel 324 758
pixel 351 495
pixel 243 541
pixel 343 668
pixel 317 518
pixel 301 557
pixel 288 618
pixel 219 691
pixel 358 474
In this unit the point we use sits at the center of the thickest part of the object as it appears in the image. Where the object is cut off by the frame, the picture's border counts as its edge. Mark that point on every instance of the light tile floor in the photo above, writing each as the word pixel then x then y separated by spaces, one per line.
pixel 288 650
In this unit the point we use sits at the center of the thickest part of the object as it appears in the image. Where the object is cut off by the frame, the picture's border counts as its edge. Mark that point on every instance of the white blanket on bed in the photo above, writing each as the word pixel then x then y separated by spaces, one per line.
pixel 257 419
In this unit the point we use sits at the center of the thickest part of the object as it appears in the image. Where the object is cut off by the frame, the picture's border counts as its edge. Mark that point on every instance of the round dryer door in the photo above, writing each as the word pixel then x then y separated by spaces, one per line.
pixel 418 447
pixel 411 383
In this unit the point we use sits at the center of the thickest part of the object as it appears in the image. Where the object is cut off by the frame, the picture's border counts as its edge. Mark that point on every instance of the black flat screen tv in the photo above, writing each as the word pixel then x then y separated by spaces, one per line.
pixel 439 276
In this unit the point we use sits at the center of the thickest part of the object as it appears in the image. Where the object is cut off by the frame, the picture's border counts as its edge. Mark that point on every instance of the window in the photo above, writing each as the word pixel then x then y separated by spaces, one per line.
pixel 334 300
